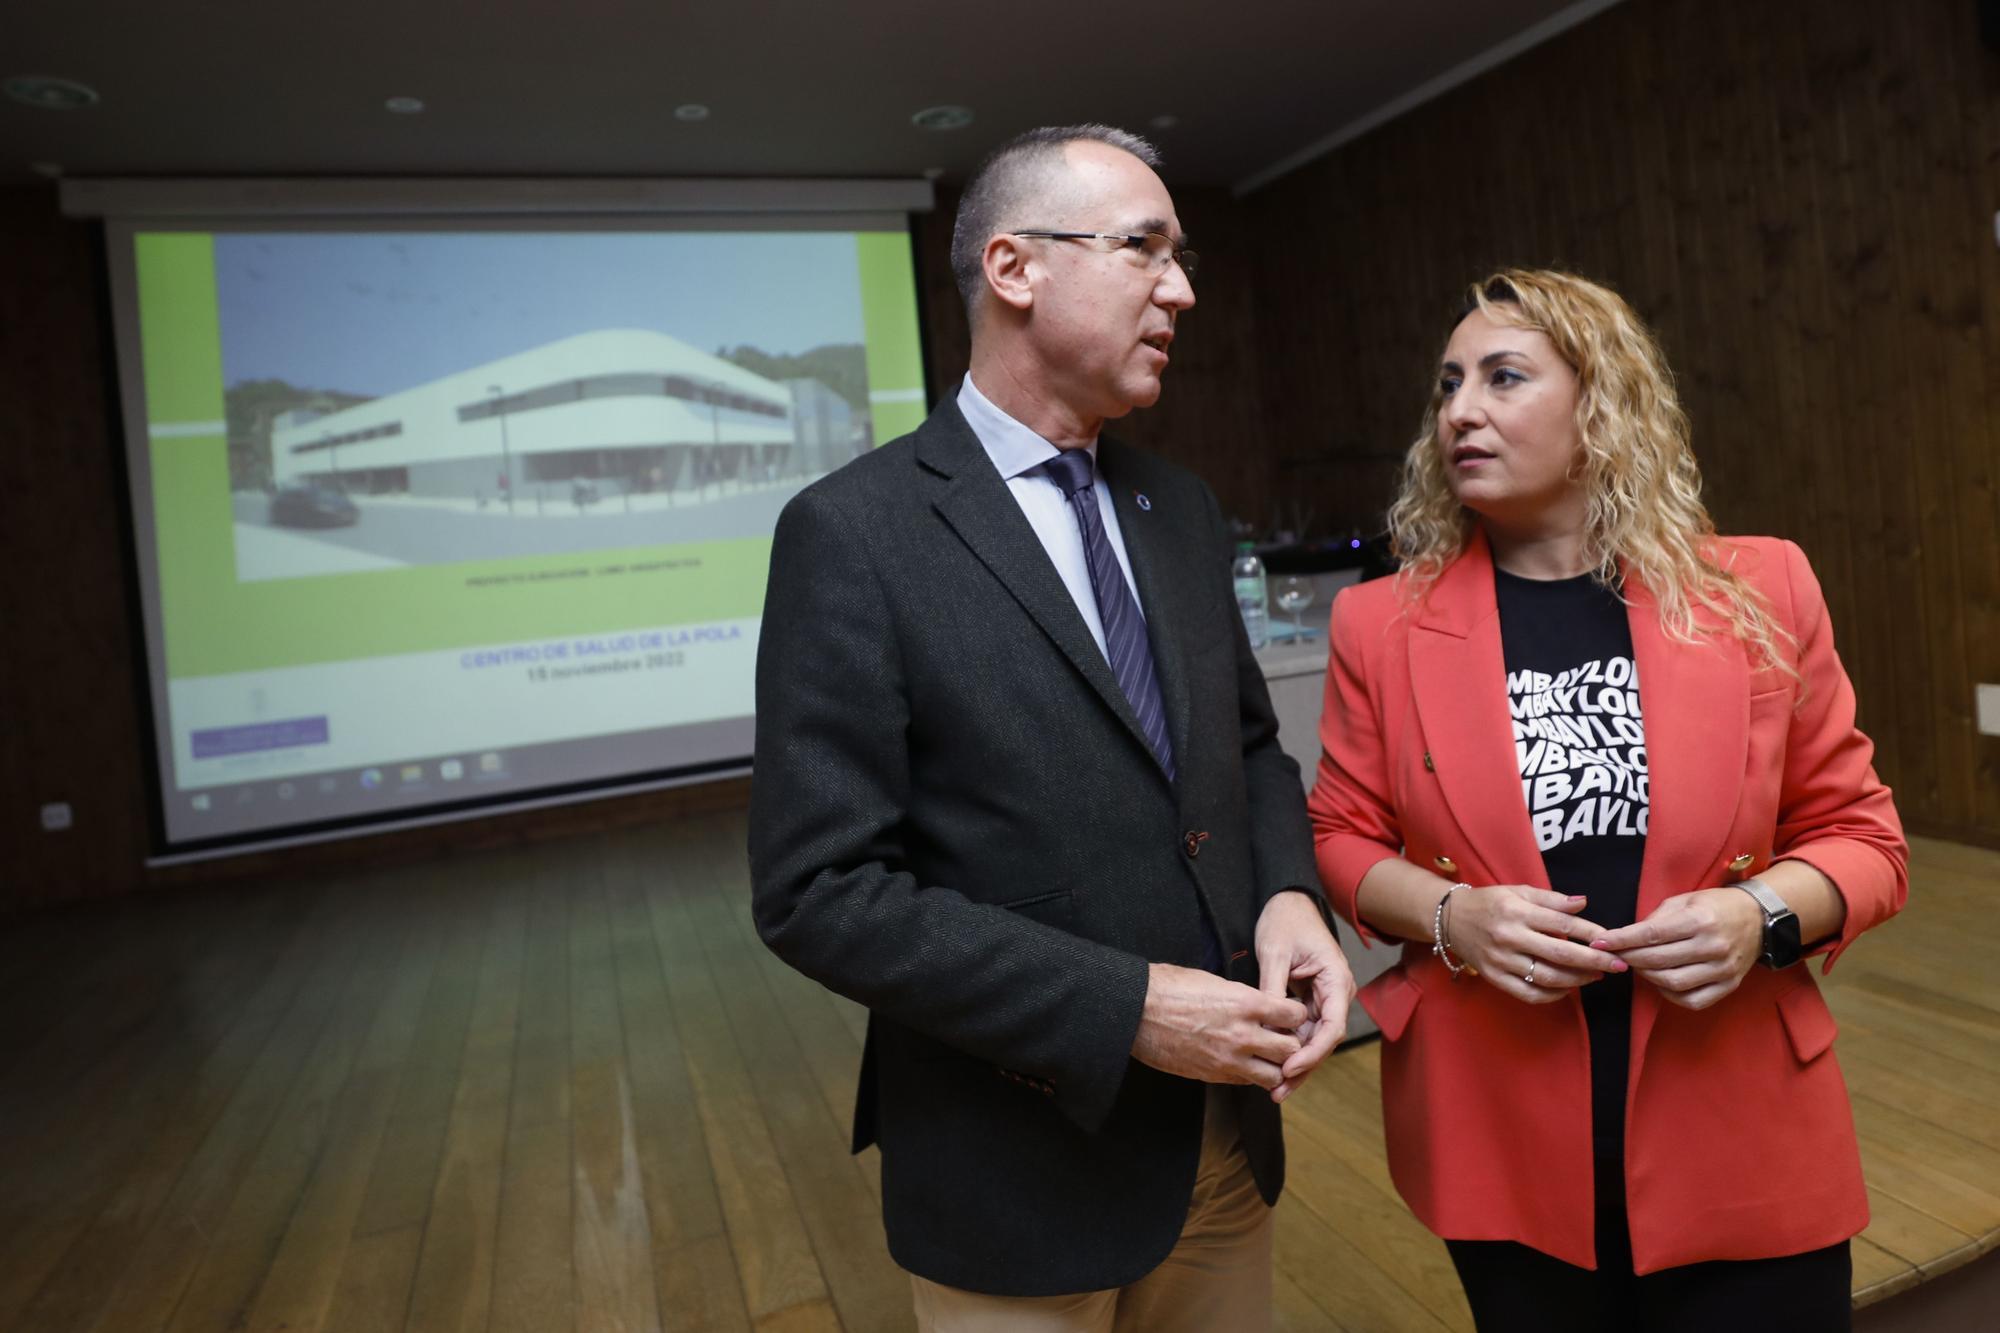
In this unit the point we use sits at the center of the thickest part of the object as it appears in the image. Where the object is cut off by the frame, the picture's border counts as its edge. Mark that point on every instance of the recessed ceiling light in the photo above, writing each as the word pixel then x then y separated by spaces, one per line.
pixel 1165 122
pixel 51 93
pixel 932 173
pixel 691 111
pixel 405 106
pixel 942 118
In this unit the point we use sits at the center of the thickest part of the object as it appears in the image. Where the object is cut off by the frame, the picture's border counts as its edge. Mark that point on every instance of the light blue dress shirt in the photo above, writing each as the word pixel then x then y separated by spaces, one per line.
pixel 1019 454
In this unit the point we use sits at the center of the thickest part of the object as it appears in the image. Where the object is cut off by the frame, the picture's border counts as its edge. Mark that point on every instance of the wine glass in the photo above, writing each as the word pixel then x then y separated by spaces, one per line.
pixel 1295 594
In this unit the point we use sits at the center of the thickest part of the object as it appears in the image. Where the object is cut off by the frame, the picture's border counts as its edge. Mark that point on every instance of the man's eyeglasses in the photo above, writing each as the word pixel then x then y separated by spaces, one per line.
pixel 1157 249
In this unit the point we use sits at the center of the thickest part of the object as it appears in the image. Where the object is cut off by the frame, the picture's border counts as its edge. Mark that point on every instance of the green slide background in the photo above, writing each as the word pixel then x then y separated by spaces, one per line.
pixel 215 625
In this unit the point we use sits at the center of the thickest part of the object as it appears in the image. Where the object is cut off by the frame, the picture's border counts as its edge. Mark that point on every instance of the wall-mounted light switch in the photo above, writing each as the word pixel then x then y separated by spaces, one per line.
pixel 1988 700
pixel 56 816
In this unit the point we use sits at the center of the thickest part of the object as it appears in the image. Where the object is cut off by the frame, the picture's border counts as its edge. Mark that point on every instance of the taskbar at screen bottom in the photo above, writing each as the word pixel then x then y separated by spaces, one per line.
pixel 244 815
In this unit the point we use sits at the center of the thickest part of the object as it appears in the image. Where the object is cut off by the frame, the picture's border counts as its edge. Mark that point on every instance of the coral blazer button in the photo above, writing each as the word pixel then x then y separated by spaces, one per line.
pixel 1429 767
pixel 1743 862
pixel 1445 865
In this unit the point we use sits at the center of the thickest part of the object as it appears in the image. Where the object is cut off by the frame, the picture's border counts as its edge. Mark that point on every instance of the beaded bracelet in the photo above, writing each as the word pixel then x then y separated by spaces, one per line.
pixel 1440 943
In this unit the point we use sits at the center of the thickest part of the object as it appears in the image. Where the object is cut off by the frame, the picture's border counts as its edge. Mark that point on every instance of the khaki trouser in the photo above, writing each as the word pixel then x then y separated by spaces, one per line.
pixel 1216 1280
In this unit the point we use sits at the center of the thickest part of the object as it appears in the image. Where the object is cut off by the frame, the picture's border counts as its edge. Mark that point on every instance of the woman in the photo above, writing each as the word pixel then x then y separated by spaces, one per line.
pixel 1597 768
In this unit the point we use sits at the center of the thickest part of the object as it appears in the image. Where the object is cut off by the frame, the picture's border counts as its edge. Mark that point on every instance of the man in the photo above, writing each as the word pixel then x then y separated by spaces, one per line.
pixel 1039 825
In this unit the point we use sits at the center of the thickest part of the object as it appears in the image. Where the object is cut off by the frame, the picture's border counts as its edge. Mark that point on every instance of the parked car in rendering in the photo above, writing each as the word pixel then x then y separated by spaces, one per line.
pixel 312 505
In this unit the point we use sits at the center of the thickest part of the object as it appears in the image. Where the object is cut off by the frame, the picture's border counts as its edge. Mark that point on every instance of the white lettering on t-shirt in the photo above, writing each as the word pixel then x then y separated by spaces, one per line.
pixel 1580 740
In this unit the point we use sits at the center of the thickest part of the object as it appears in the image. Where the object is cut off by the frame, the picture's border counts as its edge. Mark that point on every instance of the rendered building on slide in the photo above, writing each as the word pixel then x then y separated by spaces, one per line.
pixel 626 410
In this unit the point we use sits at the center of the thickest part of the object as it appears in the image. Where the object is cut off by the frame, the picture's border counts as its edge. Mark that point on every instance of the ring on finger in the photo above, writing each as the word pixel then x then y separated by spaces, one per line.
pixel 1529 975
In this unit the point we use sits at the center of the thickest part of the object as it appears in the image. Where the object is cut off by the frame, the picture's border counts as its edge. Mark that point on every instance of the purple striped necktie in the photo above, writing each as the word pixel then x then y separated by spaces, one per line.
pixel 1125 644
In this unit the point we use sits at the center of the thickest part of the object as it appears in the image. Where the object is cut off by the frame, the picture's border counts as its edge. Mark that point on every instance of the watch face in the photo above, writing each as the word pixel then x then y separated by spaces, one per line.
pixel 1781 941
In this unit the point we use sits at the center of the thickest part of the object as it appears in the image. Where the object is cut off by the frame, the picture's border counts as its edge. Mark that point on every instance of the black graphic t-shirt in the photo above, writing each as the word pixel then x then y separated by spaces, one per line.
pixel 1580 744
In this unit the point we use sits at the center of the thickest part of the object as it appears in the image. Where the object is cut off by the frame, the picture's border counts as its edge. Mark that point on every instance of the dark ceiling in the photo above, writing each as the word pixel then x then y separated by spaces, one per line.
pixel 529 87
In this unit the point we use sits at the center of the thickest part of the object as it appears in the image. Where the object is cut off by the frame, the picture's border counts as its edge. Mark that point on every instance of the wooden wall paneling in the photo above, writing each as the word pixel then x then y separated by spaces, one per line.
pixel 1598 197
pixel 1793 278
pixel 1554 234
pixel 1566 232
pixel 1761 227
pixel 1400 339
pixel 1838 60
pixel 1808 388
pixel 1613 113
pixel 66 689
pixel 1918 475
pixel 1543 223
pixel 1930 242
pixel 1710 211
pixel 1960 316
pixel 1914 471
pixel 1698 199
pixel 1638 148
pixel 1289 234
pixel 1977 71
pixel 1334 409
pixel 1326 390
pixel 1868 288
pixel 1963 312
pixel 1687 325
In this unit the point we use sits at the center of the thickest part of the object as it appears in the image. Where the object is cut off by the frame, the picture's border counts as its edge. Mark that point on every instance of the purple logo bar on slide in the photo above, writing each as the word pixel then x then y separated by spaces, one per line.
pixel 217 742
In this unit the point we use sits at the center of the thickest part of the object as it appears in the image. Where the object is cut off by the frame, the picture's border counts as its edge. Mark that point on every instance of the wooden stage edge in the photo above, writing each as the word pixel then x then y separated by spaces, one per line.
pixel 562 1086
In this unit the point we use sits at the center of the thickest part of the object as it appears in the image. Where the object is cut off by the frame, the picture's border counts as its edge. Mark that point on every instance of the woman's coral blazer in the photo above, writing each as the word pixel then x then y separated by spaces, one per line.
pixel 1739 1141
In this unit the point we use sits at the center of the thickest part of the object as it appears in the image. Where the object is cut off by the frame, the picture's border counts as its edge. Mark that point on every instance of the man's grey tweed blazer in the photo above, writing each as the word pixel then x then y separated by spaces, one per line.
pixel 956 821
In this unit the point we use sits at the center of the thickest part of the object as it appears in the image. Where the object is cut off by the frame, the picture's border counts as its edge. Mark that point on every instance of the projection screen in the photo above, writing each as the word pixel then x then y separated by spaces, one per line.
pixel 444 503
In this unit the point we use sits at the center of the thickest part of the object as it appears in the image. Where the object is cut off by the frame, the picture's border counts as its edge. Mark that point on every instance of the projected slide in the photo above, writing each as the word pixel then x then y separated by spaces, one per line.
pixel 443 515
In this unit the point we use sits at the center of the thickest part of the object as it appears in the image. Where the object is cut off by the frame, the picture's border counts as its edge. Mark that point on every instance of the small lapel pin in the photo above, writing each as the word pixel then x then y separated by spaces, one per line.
pixel 1144 503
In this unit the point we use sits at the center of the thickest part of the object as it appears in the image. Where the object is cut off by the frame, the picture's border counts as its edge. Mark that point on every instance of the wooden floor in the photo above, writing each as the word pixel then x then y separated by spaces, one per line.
pixel 565 1088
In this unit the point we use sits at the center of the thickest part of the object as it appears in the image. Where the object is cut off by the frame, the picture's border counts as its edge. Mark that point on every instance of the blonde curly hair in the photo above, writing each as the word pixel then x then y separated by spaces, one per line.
pixel 1634 464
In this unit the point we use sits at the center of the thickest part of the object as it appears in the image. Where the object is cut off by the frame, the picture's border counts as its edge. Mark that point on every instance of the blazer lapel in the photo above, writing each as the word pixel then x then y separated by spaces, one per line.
pixel 1696 702
pixel 1163 594
pixel 1458 676
pixel 974 500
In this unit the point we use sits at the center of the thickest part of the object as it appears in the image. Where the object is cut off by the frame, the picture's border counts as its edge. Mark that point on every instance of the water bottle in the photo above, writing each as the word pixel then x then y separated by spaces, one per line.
pixel 1251 595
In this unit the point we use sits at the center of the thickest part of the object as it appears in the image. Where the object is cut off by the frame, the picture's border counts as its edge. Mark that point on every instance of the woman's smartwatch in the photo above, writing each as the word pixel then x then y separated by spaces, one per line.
pixel 1781 925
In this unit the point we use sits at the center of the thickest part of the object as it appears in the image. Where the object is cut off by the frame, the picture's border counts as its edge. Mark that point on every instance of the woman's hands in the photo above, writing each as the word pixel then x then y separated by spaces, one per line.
pixel 1528 942
pixel 1695 947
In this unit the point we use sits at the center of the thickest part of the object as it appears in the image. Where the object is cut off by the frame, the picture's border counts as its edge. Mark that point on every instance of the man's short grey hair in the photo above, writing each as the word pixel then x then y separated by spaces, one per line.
pixel 1018 175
